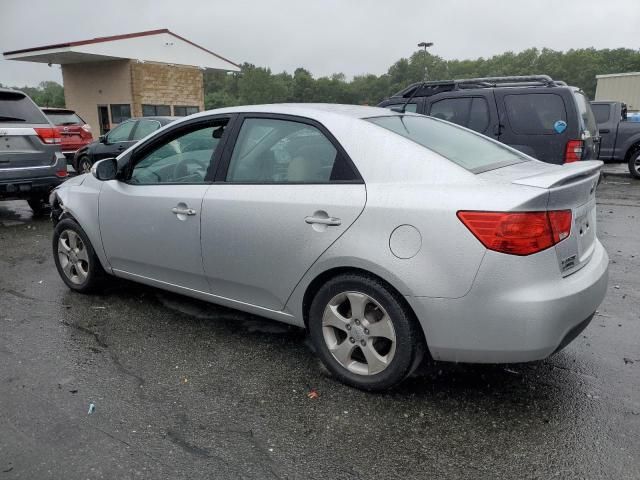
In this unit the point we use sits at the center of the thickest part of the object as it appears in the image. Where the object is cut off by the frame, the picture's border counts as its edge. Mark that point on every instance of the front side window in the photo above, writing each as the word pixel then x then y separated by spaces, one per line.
pixel 120 113
pixel 184 157
pixel 183 111
pixel 283 151
pixel 534 113
pixel 121 133
pixel 144 128
pixel 156 110
pixel 467 149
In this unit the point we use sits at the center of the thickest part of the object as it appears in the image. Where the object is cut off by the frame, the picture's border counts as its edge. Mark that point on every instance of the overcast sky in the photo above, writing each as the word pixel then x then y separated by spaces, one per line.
pixel 323 36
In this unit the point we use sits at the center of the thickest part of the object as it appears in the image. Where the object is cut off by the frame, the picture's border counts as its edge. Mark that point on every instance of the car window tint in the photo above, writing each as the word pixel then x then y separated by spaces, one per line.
pixel 282 151
pixel 586 114
pixel 15 107
pixel 411 107
pixel 454 110
pixel 183 158
pixel 601 112
pixel 467 149
pixel 534 113
pixel 64 118
pixel 479 115
pixel 144 128
pixel 121 133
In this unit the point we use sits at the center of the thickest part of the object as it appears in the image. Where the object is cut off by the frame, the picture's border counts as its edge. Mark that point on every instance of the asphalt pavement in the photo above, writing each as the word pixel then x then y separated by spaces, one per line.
pixel 187 390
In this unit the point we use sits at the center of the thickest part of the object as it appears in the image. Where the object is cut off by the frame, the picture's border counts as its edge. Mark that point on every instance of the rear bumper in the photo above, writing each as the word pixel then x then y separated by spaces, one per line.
pixel 515 311
pixel 29 181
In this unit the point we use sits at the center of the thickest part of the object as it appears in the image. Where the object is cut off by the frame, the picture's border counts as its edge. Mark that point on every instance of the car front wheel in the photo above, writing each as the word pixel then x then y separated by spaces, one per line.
pixel 363 332
pixel 75 257
pixel 84 164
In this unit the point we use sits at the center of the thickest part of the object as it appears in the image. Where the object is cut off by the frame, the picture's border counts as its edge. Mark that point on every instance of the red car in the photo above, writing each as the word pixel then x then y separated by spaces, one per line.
pixel 75 132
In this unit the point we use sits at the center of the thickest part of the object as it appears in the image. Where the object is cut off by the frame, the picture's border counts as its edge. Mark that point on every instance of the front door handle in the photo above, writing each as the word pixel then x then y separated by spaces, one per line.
pixel 183 211
pixel 330 221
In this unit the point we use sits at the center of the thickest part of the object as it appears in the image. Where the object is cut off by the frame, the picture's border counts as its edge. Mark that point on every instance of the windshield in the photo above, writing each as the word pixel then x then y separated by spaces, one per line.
pixel 463 147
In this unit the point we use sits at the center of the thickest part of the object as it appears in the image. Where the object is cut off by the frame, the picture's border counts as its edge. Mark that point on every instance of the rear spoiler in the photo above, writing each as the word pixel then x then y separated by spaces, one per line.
pixel 564 174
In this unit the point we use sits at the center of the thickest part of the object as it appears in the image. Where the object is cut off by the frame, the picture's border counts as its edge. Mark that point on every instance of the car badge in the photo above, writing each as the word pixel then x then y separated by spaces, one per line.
pixel 66 129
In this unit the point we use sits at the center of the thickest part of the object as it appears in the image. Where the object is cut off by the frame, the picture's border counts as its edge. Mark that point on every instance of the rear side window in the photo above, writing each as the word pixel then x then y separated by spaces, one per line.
pixel 15 107
pixel 601 112
pixel 586 114
pixel 64 118
pixel 282 151
pixel 470 112
pixel 467 149
pixel 534 113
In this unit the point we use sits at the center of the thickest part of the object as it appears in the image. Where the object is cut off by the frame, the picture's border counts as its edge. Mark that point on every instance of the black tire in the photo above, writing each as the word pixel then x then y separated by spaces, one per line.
pixel 83 165
pixel 634 164
pixel 95 274
pixel 409 341
pixel 39 205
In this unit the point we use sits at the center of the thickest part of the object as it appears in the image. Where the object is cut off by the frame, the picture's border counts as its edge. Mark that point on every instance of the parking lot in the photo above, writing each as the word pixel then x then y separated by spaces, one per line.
pixel 184 389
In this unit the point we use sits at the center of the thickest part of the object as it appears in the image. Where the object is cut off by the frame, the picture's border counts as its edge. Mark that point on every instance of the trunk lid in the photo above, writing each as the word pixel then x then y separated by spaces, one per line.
pixel 570 186
pixel 20 147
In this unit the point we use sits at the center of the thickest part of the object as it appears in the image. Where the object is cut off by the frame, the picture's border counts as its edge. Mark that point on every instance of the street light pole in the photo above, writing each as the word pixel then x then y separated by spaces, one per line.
pixel 425 45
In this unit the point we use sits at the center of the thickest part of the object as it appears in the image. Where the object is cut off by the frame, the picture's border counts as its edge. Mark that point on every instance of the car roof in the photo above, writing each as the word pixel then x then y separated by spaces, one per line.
pixel 311 110
pixel 162 119
pixel 11 90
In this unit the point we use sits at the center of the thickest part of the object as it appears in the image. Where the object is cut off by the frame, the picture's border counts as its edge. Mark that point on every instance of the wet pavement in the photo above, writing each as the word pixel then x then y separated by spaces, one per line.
pixel 185 389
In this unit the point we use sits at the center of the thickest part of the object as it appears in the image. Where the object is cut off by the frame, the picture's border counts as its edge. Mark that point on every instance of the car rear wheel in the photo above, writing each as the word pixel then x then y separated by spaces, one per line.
pixel 39 205
pixel 634 164
pixel 84 164
pixel 363 332
pixel 75 257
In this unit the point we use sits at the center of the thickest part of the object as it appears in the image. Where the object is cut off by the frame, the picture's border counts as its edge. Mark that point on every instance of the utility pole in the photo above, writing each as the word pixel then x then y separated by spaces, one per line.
pixel 425 45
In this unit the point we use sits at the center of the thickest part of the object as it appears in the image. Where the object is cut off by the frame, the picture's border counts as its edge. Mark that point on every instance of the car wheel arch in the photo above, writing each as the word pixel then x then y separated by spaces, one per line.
pixel 320 279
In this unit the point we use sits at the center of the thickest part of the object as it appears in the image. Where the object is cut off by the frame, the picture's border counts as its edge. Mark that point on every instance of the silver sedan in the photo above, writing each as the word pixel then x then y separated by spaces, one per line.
pixel 390 237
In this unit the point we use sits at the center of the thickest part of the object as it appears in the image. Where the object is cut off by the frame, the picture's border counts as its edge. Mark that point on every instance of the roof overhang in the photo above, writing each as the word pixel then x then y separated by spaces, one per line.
pixel 159 46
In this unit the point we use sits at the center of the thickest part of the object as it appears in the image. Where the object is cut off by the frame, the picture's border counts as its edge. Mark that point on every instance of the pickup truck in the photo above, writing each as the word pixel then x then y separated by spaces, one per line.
pixel 619 137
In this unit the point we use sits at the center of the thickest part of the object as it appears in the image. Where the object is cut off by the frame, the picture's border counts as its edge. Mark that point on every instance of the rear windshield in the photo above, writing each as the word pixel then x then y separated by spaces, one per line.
pixel 601 111
pixel 15 107
pixel 467 149
pixel 586 114
pixel 64 118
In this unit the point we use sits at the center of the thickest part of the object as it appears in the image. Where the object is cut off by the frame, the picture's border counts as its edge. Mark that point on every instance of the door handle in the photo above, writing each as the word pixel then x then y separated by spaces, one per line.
pixel 183 211
pixel 604 130
pixel 330 221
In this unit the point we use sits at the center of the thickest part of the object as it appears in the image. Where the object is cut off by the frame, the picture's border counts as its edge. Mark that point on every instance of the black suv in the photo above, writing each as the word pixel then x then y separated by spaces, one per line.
pixel 31 162
pixel 537 115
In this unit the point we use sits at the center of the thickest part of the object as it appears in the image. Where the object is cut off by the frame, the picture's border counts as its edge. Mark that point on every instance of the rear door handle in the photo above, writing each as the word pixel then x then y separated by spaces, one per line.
pixel 183 211
pixel 330 221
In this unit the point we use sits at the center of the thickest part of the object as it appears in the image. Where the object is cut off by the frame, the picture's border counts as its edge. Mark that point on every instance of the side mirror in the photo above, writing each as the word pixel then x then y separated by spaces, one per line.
pixel 102 138
pixel 106 169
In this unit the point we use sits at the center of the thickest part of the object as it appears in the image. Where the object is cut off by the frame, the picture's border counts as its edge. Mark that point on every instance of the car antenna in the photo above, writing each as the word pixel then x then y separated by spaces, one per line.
pixel 422 84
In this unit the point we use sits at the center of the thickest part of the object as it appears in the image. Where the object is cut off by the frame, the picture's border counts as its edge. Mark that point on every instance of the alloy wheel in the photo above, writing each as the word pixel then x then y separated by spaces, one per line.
pixel 85 165
pixel 636 165
pixel 359 333
pixel 73 256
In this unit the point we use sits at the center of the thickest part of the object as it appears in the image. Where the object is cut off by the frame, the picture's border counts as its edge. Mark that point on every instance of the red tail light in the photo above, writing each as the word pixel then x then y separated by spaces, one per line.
pixel 573 152
pixel 61 173
pixel 48 135
pixel 518 233
pixel 86 127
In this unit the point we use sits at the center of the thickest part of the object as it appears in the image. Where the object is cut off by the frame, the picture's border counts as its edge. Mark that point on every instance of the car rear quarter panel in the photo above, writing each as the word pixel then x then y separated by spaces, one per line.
pixel 409 185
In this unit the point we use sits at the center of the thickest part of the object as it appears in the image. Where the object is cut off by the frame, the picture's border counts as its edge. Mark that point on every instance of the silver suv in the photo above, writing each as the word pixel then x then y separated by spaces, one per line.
pixel 31 162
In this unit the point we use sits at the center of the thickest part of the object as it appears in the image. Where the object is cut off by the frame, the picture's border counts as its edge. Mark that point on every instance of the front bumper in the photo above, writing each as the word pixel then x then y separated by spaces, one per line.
pixel 515 311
